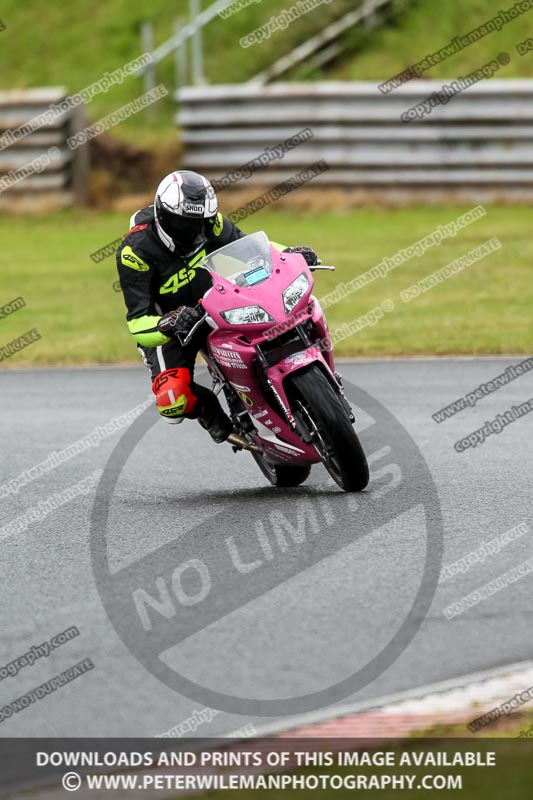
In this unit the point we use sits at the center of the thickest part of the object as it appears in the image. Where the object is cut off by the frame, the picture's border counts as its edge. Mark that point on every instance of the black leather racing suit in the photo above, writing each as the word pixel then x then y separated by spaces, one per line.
pixel 154 279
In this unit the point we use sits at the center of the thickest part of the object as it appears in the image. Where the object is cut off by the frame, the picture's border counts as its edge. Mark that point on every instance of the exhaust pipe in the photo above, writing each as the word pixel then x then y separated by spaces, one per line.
pixel 243 444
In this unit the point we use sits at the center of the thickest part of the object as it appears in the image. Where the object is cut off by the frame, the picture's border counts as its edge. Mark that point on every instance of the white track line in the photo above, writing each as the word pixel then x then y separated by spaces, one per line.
pixel 507 672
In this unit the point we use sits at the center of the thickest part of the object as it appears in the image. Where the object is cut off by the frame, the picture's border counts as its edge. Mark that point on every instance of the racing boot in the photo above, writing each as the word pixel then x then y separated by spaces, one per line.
pixel 212 416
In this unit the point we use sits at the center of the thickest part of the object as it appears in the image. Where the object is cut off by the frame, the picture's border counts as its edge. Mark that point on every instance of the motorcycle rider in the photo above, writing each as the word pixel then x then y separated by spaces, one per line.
pixel 162 285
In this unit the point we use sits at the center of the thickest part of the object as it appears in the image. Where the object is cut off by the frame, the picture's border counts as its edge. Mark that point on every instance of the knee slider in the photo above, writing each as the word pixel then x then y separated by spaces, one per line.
pixel 173 394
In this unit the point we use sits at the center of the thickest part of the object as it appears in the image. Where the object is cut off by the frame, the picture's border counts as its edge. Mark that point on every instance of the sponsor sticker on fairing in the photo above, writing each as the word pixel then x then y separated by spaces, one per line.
pixel 297 358
pixel 227 358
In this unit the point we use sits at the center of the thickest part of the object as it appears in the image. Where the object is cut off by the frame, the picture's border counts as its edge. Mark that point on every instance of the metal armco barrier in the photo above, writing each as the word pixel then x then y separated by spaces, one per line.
pixel 56 176
pixel 480 143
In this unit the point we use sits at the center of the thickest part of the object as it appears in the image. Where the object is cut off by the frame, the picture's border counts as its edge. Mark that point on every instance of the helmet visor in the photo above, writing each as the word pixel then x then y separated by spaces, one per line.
pixel 180 228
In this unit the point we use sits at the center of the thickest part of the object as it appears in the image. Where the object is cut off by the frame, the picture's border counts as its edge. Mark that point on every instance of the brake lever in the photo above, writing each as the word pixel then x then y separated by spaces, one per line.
pixel 184 342
pixel 322 266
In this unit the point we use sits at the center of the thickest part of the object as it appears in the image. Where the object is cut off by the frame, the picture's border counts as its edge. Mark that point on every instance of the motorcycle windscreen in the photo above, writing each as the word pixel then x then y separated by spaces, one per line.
pixel 245 262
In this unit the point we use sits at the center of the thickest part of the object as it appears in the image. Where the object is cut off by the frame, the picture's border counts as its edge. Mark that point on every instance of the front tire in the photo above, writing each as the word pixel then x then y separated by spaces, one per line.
pixel 335 440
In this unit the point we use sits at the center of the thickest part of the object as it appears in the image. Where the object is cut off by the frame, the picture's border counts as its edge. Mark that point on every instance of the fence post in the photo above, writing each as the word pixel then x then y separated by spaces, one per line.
pixel 197 46
pixel 147 46
pixel 180 57
pixel 80 162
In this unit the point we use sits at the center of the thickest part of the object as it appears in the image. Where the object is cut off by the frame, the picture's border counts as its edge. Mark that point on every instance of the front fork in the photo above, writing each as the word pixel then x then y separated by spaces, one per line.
pixel 342 396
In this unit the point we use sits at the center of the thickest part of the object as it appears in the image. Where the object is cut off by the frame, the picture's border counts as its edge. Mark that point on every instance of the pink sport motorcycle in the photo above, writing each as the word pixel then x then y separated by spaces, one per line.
pixel 269 352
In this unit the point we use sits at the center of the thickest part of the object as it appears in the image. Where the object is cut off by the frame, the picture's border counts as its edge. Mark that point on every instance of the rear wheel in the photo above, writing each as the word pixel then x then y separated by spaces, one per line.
pixel 281 475
pixel 334 438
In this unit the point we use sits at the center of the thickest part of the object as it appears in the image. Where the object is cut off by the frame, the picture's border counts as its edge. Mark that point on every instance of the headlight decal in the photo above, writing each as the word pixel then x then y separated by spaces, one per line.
pixel 246 315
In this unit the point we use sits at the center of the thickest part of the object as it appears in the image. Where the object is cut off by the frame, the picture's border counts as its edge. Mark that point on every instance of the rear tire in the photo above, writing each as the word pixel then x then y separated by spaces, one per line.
pixel 281 475
pixel 336 442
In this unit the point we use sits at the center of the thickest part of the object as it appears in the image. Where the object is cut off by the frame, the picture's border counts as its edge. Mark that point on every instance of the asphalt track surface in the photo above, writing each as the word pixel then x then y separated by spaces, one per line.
pixel 315 628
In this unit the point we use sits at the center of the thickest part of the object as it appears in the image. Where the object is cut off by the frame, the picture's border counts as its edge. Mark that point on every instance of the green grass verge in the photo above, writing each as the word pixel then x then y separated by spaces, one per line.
pixel 423 29
pixel 484 309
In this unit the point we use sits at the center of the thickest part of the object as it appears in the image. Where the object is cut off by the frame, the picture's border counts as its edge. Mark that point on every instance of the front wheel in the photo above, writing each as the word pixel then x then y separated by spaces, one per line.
pixel 281 475
pixel 334 438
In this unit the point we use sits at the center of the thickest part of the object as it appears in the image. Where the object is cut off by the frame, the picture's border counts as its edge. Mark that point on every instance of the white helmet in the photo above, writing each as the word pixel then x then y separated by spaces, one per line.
pixel 184 203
